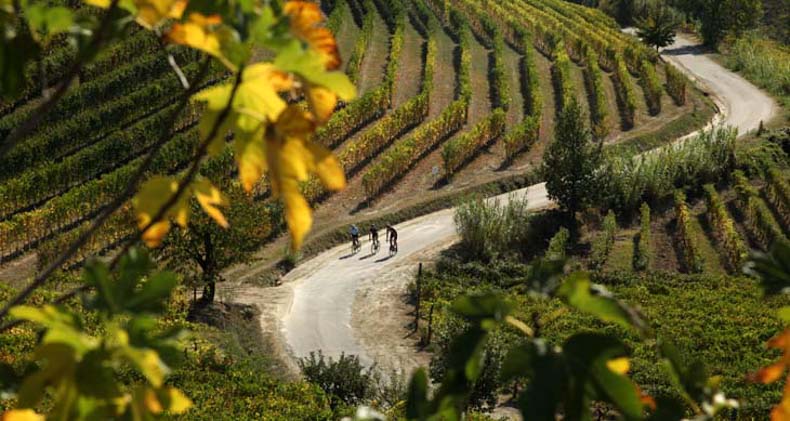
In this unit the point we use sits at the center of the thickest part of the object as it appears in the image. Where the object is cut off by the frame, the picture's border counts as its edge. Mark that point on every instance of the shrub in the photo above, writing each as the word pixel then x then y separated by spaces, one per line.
pixel 762 61
pixel 561 72
pixel 778 193
pixel 676 84
pixel 627 182
pixel 643 253
pixel 686 242
pixel 521 137
pixel 461 149
pixel 603 243
pixel 598 105
pixel 489 229
pixel 723 227
pixel 498 76
pixel 345 380
pixel 558 244
pixel 758 217
pixel 652 87
pixel 625 92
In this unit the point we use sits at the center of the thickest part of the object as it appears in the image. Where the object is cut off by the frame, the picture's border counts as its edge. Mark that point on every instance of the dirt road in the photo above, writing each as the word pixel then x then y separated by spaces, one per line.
pixel 328 303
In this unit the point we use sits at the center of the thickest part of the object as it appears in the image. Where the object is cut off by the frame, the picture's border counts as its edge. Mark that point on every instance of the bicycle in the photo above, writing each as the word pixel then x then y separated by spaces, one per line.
pixel 393 249
pixel 374 246
pixel 356 246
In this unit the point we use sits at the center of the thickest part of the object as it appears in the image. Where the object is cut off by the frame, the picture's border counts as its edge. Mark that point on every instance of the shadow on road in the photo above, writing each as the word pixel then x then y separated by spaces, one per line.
pixel 384 259
pixel 348 256
pixel 691 50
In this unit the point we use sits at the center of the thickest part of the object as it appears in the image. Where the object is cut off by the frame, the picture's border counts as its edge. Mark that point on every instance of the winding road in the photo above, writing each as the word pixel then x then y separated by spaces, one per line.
pixel 312 310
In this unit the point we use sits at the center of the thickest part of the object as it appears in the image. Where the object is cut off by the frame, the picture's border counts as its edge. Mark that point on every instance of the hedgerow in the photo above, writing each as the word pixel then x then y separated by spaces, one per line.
pixel 651 86
pixel 757 216
pixel 676 84
pixel 558 244
pixel 686 241
pixel 521 137
pixel 602 245
pixel 598 105
pixel 561 72
pixel 729 240
pixel 778 193
pixel 458 151
pixel 643 253
pixel 625 92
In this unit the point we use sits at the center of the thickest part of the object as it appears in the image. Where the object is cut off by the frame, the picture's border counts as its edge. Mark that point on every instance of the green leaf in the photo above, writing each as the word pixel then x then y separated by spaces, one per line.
pixel 147 361
pixel 773 269
pixel 60 364
pixel 480 307
pixel 784 314
pixel 417 399
pixel 94 376
pixel 517 362
pixel 541 399
pixel 154 293
pixel 577 291
pixel 48 20
pixel 15 54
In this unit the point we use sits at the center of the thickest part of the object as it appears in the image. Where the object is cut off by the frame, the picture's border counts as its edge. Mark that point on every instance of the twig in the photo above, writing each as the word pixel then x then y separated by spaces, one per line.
pixel 131 187
pixel 172 61
pixel 39 113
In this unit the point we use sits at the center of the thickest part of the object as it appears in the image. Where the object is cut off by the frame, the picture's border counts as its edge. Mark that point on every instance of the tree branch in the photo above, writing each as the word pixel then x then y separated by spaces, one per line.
pixel 128 192
pixel 39 113
pixel 190 175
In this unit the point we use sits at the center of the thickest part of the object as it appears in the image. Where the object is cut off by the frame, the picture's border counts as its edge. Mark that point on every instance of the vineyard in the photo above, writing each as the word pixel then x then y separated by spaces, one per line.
pixel 451 95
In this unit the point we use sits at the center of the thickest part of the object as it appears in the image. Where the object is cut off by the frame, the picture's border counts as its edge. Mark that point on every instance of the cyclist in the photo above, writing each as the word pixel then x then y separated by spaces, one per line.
pixel 392 237
pixel 373 236
pixel 354 236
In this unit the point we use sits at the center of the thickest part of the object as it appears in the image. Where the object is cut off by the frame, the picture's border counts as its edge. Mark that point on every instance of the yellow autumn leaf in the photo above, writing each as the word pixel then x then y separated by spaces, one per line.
pixel 151 402
pixel 209 197
pixel 251 159
pixel 256 103
pixel 148 13
pixel 148 202
pixel 619 365
pixel 21 415
pixel 297 212
pixel 327 166
pixel 305 19
pixel 205 33
pixel 174 401
pixel 322 102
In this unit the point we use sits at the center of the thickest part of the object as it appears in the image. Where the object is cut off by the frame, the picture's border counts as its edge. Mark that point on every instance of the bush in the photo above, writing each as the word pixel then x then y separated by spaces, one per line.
pixel 723 228
pixel 563 81
pixel 687 243
pixel 778 193
pixel 625 92
pixel 676 84
pixel 522 137
pixel 602 245
pixel 758 217
pixel 652 87
pixel 642 255
pixel 458 151
pixel 627 182
pixel 598 106
pixel 490 229
pixel 558 244
pixel 345 380
pixel 764 62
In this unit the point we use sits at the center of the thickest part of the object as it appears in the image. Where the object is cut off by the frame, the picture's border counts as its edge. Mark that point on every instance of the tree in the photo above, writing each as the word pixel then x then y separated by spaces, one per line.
pixel 204 249
pixel 718 17
pixel 570 161
pixel 657 27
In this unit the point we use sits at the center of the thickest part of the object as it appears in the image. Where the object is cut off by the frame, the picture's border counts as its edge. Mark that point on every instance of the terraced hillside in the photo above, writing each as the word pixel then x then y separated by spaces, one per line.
pixel 452 95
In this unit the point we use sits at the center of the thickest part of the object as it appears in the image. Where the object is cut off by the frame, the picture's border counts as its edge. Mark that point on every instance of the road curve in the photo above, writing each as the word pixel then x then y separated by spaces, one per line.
pixel 317 312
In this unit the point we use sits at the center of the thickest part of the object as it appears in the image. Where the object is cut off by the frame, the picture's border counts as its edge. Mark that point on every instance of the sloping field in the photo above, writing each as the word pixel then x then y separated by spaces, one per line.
pixel 483 110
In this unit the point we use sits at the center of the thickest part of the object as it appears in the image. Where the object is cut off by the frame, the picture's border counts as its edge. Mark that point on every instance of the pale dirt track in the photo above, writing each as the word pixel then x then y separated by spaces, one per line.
pixel 340 303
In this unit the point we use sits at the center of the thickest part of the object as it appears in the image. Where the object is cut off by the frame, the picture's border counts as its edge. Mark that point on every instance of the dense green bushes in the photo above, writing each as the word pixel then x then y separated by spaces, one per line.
pixel 627 182
pixel 643 253
pixel 459 150
pixel 602 245
pixel 764 62
pixel 652 87
pixel 345 380
pixel 490 229
pixel 729 240
pixel 676 84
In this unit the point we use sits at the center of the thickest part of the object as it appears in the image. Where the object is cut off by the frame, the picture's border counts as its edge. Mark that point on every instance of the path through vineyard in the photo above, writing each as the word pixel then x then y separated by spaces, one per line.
pixel 354 304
